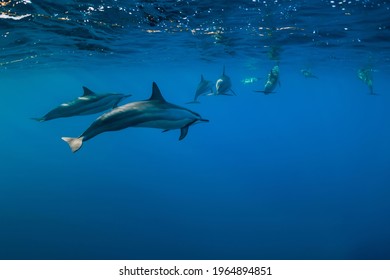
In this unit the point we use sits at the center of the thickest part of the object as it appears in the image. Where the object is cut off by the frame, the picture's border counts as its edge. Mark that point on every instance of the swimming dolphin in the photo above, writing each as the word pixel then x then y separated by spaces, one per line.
pixel 224 84
pixel 154 113
pixel 272 81
pixel 308 74
pixel 365 74
pixel 250 80
pixel 204 86
pixel 89 103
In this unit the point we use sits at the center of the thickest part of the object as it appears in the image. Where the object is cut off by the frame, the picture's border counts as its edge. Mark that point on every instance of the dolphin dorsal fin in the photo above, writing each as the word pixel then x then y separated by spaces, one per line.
pixel 87 91
pixel 201 78
pixel 156 93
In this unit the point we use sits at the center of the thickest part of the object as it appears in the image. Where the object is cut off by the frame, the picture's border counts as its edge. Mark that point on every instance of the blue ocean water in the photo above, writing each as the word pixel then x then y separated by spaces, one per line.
pixel 302 173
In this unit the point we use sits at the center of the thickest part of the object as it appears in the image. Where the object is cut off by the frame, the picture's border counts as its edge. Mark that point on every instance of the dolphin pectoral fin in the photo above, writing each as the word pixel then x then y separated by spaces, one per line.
pixel 38 119
pixel 183 132
pixel 165 130
pixel 74 143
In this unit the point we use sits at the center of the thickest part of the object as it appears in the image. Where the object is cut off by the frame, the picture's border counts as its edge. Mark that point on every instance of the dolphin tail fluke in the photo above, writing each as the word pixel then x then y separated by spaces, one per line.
pixel 74 143
pixel 39 119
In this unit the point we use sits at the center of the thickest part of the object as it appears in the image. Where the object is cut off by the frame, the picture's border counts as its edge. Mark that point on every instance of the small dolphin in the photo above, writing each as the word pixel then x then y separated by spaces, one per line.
pixel 365 74
pixel 224 84
pixel 308 74
pixel 154 113
pixel 272 81
pixel 89 103
pixel 204 86
pixel 250 80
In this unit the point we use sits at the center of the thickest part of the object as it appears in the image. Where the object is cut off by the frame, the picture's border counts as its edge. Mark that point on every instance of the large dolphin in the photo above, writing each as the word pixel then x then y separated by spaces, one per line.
pixel 89 103
pixel 272 81
pixel 224 84
pixel 154 113
pixel 204 86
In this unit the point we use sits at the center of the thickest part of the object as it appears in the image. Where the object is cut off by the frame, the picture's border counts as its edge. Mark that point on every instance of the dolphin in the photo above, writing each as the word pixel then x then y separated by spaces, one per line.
pixel 365 74
pixel 272 81
pixel 224 84
pixel 88 103
pixel 308 74
pixel 204 86
pixel 154 112
pixel 250 80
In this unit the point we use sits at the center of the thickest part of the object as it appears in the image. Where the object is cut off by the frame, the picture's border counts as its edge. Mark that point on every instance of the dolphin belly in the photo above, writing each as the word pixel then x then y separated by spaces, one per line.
pixel 269 87
pixel 223 85
pixel 165 124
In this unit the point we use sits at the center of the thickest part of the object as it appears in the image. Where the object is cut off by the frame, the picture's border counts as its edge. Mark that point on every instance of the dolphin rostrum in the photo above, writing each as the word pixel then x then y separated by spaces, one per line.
pixel 204 86
pixel 224 84
pixel 89 103
pixel 272 81
pixel 154 113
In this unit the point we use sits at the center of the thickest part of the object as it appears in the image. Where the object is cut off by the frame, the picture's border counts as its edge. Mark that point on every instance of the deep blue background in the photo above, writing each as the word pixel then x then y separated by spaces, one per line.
pixel 300 174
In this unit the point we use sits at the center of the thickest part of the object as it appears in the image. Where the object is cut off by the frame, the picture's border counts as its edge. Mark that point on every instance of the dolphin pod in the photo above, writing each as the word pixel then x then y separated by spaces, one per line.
pixel 153 113
pixel 88 103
